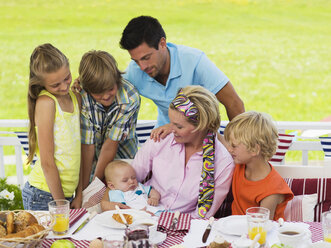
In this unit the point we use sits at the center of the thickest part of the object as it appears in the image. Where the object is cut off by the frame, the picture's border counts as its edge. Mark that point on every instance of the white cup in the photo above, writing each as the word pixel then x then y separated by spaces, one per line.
pixel 293 235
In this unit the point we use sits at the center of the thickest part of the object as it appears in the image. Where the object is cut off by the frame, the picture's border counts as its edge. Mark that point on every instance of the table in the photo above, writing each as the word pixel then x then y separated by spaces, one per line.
pixel 314 227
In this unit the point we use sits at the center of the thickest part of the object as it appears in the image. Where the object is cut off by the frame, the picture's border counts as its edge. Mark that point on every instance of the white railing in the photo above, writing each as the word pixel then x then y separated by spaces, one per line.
pixel 144 127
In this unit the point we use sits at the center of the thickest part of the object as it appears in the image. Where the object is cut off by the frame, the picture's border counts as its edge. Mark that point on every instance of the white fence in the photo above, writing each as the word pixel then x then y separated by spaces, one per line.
pixel 301 143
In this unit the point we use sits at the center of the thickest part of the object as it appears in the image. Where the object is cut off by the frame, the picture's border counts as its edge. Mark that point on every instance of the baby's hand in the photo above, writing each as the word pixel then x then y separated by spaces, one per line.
pixel 153 201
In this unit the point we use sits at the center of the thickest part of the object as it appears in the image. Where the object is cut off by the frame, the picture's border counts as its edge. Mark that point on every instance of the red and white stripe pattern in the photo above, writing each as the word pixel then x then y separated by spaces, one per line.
pixel 284 143
pixel 321 186
pixel 75 215
pixel 182 227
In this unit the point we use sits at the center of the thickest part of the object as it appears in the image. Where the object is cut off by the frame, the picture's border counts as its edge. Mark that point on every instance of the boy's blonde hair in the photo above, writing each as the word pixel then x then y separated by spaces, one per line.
pixel 208 110
pixel 253 128
pixel 98 72
pixel 112 166
pixel 44 59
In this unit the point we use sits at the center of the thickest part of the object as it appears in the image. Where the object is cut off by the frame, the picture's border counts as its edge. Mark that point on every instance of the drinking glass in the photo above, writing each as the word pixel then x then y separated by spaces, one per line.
pixel 59 210
pixel 257 218
pixel 326 223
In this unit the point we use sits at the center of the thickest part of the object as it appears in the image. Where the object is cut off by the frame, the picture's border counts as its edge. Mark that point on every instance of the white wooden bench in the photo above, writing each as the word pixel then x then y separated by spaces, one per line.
pixel 144 127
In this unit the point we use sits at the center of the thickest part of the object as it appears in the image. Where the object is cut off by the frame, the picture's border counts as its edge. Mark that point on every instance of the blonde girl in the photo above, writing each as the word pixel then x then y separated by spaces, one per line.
pixel 54 131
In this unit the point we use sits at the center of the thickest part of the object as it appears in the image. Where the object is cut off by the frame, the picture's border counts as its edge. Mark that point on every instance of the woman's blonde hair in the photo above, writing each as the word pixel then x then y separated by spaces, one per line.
pixel 253 128
pixel 98 72
pixel 208 109
pixel 44 59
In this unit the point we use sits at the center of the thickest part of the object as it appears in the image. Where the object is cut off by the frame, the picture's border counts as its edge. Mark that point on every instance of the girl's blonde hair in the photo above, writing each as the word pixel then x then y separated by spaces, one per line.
pixel 98 72
pixel 208 109
pixel 253 128
pixel 44 59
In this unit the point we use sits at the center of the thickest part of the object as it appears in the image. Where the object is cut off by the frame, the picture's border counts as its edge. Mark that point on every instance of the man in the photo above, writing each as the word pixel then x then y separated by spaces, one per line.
pixel 159 69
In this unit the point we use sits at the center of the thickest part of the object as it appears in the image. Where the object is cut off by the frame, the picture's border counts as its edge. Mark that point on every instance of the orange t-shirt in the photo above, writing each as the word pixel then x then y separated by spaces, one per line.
pixel 248 194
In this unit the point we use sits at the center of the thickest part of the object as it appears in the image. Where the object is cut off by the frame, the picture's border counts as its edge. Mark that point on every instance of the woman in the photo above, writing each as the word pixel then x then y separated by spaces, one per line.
pixel 190 168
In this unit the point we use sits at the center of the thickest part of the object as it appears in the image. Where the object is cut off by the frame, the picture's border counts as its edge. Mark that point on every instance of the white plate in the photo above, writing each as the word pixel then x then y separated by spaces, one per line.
pixel 156 237
pixel 236 225
pixel 106 218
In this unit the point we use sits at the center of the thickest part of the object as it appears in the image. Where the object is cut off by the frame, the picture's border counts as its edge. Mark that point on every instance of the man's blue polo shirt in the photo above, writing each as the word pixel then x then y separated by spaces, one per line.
pixel 188 66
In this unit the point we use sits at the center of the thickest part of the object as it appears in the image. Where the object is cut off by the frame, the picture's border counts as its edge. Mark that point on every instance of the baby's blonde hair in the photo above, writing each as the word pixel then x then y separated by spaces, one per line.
pixel 113 166
pixel 253 128
pixel 98 72
pixel 208 110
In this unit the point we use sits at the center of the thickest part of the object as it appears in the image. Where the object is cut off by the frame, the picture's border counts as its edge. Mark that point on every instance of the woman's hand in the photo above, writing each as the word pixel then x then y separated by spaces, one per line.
pixel 161 132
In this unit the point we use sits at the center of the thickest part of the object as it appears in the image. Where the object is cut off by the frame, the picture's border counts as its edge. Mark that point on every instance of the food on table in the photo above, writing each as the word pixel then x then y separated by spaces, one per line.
pixel 30 230
pixel 62 243
pixel 18 224
pixel 24 219
pixel 96 243
pixel 10 222
pixel 3 231
pixel 219 242
pixel 127 217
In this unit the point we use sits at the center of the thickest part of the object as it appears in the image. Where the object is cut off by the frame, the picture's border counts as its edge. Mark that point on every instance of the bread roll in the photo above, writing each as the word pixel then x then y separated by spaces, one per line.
pixel 3 231
pixel 10 222
pixel 24 219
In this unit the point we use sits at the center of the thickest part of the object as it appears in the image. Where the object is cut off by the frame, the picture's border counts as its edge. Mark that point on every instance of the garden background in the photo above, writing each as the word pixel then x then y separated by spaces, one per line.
pixel 276 53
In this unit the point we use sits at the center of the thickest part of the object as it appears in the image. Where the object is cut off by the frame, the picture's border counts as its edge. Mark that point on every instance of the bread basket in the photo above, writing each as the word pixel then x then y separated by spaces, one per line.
pixel 43 218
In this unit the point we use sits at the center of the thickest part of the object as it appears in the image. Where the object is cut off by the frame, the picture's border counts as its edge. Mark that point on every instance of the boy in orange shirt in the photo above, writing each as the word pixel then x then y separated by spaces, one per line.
pixel 252 139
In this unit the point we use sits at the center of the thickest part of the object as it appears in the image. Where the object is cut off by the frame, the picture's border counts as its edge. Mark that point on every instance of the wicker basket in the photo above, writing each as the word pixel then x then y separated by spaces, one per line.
pixel 44 219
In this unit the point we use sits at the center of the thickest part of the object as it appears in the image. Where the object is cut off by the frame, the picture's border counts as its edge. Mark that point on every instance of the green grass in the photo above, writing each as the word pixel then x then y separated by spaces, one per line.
pixel 276 53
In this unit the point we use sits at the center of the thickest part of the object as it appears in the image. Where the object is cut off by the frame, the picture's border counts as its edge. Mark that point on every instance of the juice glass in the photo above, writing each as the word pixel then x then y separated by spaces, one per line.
pixel 326 223
pixel 59 210
pixel 257 218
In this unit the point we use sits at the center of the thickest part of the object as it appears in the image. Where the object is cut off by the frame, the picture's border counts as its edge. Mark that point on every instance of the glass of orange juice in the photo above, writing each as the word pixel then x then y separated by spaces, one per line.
pixel 59 210
pixel 326 223
pixel 257 218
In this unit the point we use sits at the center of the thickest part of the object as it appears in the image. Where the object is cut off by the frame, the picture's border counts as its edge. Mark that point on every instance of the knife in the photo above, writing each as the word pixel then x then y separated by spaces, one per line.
pixel 207 231
pixel 175 220
pixel 85 222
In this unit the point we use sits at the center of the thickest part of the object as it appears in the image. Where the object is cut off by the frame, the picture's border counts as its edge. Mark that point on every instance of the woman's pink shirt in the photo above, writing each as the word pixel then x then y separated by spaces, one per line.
pixel 178 183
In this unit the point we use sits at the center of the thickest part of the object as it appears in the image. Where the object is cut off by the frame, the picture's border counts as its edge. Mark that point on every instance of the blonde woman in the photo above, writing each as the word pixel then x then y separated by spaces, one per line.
pixel 190 168
pixel 54 131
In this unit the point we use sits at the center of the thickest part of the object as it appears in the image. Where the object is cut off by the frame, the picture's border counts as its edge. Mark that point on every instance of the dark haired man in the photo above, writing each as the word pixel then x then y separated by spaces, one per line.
pixel 158 69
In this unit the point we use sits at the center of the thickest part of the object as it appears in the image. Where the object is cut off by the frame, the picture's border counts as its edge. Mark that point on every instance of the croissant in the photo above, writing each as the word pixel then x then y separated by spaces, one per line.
pixel 127 217
pixel 30 230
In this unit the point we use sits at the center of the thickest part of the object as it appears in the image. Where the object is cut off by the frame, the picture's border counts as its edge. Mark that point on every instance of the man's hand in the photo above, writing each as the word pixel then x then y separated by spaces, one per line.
pixel 76 87
pixel 161 132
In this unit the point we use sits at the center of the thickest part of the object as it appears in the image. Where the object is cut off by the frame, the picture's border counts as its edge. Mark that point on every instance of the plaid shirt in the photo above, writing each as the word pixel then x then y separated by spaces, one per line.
pixel 118 122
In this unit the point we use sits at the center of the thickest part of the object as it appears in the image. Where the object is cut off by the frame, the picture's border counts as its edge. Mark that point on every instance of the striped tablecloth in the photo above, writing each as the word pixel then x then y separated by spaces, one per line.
pixel 314 227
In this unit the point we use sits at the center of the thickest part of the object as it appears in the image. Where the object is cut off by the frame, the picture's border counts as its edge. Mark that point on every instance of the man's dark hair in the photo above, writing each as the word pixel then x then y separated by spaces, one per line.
pixel 142 29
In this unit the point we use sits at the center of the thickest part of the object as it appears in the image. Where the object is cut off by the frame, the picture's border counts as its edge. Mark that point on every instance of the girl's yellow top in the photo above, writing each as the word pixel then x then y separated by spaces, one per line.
pixel 67 149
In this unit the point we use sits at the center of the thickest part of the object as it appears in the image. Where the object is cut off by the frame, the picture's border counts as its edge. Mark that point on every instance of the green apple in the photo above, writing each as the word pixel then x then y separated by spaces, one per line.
pixel 63 243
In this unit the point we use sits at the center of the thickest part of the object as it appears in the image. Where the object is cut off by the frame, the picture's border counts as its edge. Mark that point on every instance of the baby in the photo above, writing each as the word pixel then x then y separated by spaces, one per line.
pixel 124 189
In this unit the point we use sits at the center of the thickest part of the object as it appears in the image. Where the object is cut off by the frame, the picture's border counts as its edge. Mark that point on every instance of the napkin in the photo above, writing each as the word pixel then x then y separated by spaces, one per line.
pixel 75 215
pixel 93 194
pixel 181 228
